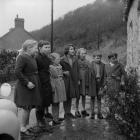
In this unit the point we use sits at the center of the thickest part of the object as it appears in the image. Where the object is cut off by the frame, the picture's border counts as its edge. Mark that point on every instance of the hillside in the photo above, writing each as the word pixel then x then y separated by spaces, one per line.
pixel 92 26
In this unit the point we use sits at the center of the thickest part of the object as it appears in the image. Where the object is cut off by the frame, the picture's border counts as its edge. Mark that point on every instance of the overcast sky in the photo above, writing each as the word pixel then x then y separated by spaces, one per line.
pixel 35 12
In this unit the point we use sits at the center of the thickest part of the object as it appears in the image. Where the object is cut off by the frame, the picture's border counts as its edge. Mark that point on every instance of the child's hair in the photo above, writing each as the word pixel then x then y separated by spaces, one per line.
pixel 98 53
pixel 53 56
pixel 79 51
pixel 41 43
pixel 28 44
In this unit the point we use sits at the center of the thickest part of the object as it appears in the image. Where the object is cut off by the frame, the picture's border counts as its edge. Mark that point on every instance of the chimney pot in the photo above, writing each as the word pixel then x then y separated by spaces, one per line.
pixel 19 22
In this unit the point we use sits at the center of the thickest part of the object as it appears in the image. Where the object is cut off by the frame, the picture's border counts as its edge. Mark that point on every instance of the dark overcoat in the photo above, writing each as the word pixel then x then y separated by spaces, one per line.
pixel 92 78
pixel 43 63
pixel 115 75
pixel 71 81
pixel 26 70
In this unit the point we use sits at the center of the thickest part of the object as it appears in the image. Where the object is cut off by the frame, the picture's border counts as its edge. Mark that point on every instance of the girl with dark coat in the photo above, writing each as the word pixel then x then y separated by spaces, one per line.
pixel 43 62
pixel 71 78
pixel 27 93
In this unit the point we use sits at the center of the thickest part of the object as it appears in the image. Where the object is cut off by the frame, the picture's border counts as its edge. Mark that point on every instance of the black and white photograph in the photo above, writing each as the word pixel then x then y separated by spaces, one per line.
pixel 69 69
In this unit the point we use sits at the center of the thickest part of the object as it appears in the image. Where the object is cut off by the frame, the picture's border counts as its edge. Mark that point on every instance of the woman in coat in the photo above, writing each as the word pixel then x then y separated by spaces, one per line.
pixel 27 93
pixel 71 78
pixel 43 62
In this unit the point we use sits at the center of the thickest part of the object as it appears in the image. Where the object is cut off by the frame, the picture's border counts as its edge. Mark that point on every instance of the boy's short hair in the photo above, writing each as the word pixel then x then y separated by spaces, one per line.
pixel 41 43
pixel 112 55
pixel 97 54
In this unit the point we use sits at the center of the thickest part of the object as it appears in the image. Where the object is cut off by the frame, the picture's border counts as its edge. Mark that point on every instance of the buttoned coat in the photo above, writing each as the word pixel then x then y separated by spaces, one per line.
pixel 71 81
pixel 43 63
pixel 92 78
pixel 26 70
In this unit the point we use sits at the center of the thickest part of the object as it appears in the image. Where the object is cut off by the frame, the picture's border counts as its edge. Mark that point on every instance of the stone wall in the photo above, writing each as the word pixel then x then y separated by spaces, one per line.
pixel 133 36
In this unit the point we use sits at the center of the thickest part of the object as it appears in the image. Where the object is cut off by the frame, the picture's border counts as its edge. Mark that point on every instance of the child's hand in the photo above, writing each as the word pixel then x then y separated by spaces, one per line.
pixel 122 83
pixel 79 82
pixel 30 85
pixel 105 87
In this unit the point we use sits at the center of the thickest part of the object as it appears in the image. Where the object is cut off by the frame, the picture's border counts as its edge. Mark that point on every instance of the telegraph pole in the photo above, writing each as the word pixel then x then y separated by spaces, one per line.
pixel 51 25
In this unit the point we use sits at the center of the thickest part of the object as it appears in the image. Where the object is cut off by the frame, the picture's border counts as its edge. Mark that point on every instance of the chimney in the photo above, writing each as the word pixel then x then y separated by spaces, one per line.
pixel 19 22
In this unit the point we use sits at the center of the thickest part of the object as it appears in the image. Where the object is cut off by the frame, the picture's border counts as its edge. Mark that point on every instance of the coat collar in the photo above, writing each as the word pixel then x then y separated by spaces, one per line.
pixel 65 59
pixel 101 67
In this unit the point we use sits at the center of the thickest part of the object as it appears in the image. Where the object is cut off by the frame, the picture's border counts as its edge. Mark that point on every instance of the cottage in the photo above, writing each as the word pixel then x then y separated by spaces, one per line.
pixel 16 36
pixel 132 16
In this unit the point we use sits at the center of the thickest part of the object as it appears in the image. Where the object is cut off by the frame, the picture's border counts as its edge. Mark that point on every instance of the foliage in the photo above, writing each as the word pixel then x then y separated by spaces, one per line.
pixel 7 60
pixel 127 103
pixel 7 65
pixel 87 26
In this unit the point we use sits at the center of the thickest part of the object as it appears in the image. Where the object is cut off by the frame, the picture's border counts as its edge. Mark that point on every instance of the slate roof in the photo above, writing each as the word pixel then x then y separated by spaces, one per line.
pixel 14 38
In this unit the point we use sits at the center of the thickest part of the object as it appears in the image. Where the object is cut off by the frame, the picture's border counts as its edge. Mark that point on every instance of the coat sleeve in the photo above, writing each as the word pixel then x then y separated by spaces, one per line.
pixel 78 71
pixel 62 64
pixel 92 82
pixel 105 75
pixel 123 73
pixel 20 65
pixel 87 74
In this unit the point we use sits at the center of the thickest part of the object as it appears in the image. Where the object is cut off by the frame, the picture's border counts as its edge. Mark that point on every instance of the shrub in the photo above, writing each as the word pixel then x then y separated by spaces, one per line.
pixel 127 106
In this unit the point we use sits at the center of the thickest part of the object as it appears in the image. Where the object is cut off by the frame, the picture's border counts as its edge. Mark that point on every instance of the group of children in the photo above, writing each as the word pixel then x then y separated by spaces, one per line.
pixel 47 78
pixel 92 79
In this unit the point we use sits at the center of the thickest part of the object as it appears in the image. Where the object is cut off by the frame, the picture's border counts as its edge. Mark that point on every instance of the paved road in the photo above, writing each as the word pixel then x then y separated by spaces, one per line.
pixel 83 129
pixel 80 129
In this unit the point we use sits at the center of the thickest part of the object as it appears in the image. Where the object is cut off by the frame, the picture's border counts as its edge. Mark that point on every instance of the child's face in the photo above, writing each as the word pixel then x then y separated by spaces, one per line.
pixel 113 59
pixel 97 58
pixel 57 60
pixel 83 54
pixel 45 49
pixel 33 50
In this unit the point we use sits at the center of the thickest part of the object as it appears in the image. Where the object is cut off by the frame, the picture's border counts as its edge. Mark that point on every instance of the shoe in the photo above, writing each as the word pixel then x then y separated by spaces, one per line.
pixel 35 130
pixel 92 116
pixel 77 114
pixel 42 123
pixel 50 127
pixel 84 113
pixel 61 119
pixel 27 133
pixel 71 115
pixel 66 116
pixel 100 116
pixel 49 115
pixel 54 123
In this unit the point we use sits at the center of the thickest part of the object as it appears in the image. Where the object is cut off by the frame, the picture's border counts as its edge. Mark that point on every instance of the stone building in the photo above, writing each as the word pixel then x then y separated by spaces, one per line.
pixel 132 16
pixel 16 36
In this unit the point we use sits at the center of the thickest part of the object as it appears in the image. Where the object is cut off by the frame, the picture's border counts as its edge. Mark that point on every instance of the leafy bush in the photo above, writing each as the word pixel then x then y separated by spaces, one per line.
pixel 127 103
pixel 7 65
